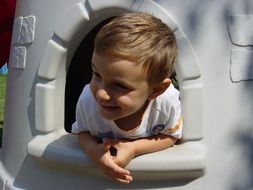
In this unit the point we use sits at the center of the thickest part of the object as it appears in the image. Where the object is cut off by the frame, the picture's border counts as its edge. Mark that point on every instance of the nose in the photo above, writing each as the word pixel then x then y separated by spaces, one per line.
pixel 102 95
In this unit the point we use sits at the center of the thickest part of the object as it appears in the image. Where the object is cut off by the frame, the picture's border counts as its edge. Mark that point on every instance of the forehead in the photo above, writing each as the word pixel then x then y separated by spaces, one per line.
pixel 116 66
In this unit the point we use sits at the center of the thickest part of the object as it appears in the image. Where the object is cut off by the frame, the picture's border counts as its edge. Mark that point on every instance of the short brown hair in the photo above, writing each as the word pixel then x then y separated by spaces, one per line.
pixel 143 39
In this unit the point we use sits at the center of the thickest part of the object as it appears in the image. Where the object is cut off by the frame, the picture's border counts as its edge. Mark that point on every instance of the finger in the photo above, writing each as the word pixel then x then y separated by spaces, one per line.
pixel 126 181
pixel 121 173
pixel 119 170
pixel 120 178
pixel 106 144
pixel 118 173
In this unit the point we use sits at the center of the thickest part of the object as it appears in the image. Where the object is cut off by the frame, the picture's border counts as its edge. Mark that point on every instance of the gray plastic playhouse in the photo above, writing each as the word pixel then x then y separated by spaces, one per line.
pixel 49 65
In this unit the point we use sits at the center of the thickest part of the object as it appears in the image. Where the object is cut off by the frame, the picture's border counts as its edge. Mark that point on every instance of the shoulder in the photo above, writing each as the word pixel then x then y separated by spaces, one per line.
pixel 86 101
pixel 171 92
pixel 86 96
pixel 166 113
pixel 86 93
pixel 169 99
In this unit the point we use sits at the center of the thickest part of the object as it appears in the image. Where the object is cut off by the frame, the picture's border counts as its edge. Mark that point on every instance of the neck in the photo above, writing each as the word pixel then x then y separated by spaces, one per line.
pixel 132 121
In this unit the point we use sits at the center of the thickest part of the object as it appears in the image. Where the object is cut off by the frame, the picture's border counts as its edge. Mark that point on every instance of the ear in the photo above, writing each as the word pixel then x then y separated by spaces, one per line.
pixel 159 89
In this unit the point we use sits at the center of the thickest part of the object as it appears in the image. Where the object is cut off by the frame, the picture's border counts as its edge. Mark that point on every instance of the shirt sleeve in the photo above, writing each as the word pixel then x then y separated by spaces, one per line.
pixel 174 125
pixel 176 130
pixel 80 125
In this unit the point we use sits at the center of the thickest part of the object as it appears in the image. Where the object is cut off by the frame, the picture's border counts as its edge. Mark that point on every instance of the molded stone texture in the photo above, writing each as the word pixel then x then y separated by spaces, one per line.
pixel 24 30
pixel 28 30
pixel 17 30
pixel 18 58
pixel 240 28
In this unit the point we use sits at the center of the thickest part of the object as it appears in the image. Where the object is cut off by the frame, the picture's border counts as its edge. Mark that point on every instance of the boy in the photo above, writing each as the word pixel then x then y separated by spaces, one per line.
pixel 130 106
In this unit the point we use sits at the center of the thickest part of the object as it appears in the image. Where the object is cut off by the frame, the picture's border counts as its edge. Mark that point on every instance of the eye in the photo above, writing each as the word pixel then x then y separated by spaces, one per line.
pixel 96 75
pixel 121 86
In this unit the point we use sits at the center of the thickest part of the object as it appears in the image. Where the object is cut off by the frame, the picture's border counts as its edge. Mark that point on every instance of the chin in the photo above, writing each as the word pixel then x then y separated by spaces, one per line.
pixel 109 116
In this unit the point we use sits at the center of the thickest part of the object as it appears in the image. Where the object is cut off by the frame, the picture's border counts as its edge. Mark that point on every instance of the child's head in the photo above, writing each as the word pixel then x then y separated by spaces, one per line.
pixel 143 39
pixel 133 59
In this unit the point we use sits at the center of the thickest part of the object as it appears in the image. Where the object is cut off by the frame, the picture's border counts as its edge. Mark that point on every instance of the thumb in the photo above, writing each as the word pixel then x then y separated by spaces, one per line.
pixel 107 144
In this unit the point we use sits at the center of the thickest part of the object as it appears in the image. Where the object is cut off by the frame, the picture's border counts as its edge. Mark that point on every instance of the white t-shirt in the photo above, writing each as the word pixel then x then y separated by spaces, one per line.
pixel 163 115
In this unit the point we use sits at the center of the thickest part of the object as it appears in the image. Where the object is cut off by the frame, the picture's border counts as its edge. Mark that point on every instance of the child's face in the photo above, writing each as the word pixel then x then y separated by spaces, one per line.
pixel 119 86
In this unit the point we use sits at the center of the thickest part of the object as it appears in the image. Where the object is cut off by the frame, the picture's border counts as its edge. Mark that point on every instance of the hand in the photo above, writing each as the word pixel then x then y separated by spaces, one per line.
pixel 125 151
pixel 102 157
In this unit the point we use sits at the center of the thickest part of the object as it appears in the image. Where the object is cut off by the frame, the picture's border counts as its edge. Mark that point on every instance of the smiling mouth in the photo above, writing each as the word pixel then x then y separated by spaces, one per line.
pixel 108 107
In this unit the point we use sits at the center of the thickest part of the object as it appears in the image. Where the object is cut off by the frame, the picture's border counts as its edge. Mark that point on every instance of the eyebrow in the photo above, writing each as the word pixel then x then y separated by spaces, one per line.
pixel 123 83
pixel 119 81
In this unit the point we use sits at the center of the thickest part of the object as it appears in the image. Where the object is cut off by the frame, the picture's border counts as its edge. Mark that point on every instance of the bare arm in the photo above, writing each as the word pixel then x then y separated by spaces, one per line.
pixel 127 150
pixel 100 154
pixel 153 144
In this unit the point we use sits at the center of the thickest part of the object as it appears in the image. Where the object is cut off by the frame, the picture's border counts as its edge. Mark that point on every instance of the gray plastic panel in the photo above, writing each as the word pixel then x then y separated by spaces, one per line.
pixel 53 56
pixel 45 109
pixel 98 5
pixel 187 159
pixel 241 65
pixel 76 18
pixel 240 29
pixel 192 108
pixel 187 66
pixel 159 12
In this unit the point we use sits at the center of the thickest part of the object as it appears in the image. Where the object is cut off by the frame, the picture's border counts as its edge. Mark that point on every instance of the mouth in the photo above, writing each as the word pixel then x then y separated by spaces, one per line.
pixel 108 107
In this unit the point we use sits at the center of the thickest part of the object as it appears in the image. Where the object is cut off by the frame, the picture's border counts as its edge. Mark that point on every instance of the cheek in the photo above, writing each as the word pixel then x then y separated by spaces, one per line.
pixel 92 88
pixel 131 102
pixel 124 101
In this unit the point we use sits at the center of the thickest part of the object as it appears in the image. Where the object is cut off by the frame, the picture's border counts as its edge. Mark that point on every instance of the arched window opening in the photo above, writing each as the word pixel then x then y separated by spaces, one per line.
pixel 79 74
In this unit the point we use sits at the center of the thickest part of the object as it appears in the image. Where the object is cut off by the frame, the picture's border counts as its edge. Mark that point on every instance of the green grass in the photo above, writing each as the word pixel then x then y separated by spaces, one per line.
pixel 3 79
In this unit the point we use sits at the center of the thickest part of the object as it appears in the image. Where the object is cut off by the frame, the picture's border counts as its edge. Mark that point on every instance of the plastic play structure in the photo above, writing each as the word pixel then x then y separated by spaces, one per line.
pixel 49 65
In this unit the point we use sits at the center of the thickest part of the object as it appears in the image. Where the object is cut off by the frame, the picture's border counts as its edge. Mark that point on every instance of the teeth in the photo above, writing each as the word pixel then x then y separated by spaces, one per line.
pixel 106 105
